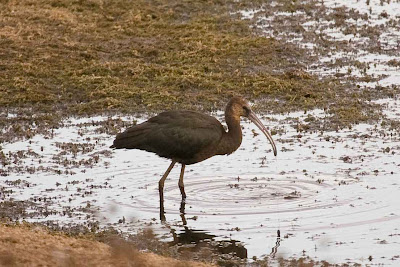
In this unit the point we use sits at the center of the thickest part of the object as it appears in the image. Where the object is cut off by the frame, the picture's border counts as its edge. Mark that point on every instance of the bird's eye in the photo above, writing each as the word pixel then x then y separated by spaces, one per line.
pixel 246 109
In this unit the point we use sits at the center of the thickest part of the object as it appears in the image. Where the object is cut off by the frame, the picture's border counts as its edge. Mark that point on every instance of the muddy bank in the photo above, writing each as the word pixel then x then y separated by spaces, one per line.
pixel 35 246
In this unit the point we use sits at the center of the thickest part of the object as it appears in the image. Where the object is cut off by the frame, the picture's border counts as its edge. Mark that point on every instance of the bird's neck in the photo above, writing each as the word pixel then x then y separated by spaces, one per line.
pixel 232 139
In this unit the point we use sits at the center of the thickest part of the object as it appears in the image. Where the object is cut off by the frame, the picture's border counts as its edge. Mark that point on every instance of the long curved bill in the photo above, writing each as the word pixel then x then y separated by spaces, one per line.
pixel 261 126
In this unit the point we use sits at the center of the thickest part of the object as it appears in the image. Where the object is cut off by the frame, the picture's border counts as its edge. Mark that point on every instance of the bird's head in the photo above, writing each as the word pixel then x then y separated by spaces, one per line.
pixel 239 107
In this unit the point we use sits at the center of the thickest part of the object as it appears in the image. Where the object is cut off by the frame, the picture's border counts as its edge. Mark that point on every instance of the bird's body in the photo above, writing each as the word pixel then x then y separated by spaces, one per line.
pixel 185 136
pixel 189 137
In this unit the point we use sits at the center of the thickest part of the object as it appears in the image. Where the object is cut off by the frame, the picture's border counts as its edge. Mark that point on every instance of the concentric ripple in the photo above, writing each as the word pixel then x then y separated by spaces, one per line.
pixel 244 196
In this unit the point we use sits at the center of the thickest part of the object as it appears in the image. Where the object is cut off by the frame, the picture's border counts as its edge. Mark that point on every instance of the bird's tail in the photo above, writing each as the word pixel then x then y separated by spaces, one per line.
pixel 132 137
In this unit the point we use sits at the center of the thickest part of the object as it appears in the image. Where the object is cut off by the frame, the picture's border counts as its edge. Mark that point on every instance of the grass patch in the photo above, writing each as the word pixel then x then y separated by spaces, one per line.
pixel 88 57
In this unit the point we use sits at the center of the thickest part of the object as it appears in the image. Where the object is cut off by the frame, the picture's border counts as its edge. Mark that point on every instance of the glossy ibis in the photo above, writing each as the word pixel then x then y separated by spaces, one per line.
pixel 189 137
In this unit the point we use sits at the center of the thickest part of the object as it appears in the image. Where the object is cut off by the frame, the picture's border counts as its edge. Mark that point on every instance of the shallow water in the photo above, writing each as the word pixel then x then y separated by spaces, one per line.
pixel 332 195
pixel 365 44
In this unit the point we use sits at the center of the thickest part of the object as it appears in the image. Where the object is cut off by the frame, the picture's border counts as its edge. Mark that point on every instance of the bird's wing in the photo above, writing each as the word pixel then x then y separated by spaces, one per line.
pixel 173 134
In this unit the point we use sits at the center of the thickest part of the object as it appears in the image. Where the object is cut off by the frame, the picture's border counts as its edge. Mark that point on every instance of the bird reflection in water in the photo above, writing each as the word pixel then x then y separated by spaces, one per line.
pixel 194 240
pixel 200 239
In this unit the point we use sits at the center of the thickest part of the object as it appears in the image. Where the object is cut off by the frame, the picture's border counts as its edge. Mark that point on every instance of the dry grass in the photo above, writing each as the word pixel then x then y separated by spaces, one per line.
pixel 35 246
pixel 91 56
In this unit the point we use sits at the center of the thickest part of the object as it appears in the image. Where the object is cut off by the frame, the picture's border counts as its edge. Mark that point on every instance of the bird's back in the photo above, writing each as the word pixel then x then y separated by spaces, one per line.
pixel 185 136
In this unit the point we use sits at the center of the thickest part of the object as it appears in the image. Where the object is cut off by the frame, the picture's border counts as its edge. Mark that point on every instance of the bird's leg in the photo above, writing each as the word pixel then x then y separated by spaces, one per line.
pixel 162 180
pixel 161 189
pixel 181 186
